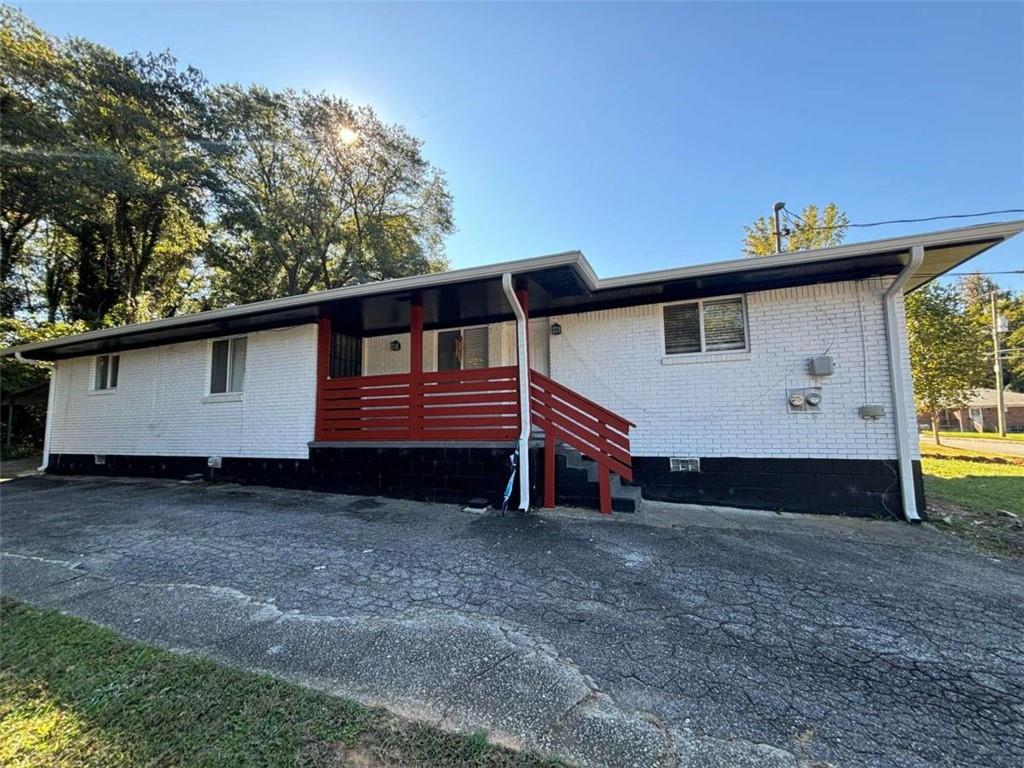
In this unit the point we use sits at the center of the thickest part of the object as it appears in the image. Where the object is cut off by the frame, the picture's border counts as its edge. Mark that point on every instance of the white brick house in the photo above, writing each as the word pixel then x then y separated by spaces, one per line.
pixel 692 384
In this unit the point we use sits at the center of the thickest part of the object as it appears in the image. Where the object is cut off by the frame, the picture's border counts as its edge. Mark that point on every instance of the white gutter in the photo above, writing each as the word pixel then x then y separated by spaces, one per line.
pixel 898 376
pixel 524 392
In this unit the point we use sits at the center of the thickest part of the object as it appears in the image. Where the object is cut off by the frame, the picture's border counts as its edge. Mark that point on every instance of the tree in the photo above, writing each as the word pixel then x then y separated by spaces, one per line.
pixel 313 193
pixel 30 135
pixel 947 358
pixel 976 290
pixel 142 175
pixel 105 150
pixel 132 190
pixel 1012 308
pixel 811 229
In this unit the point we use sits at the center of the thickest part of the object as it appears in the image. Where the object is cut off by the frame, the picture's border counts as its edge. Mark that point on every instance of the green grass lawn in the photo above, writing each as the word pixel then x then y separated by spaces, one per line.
pixel 974 485
pixel 74 694
pixel 1017 437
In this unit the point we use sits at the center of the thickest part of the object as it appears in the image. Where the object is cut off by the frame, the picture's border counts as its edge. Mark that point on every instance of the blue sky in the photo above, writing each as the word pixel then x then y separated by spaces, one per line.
pixel 645 135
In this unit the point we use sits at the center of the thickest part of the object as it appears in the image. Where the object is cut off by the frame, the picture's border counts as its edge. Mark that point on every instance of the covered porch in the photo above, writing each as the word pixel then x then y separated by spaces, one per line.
pixel 448 392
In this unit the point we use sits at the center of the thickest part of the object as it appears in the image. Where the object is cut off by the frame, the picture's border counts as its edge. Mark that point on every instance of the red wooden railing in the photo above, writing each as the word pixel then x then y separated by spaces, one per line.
pixel 478 404
pixel 591 429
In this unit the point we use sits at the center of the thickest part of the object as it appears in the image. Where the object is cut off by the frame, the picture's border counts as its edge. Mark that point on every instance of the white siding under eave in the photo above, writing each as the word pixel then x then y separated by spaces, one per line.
pixel 379 358
pixel 734 403
pixel 161 408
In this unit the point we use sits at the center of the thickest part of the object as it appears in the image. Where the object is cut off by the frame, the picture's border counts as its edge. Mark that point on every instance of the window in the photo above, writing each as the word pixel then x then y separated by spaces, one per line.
pixel 227 368
pixel 712 325
pixel 107 367
pixel 463 348
pixel 346 355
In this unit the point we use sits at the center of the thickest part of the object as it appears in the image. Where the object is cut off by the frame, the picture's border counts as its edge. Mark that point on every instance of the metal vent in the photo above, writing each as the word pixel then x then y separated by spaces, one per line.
pixel 684 464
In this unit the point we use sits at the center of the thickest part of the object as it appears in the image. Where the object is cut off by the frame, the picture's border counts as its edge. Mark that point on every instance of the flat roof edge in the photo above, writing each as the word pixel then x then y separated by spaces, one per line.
pixel 993 232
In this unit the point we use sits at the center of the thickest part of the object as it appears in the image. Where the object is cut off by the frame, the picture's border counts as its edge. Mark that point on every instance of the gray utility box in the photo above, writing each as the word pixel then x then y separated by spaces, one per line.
pixel 820 366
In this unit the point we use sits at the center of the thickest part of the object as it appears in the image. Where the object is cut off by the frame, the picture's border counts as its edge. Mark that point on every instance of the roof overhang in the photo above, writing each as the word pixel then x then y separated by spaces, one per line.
pixel 558 284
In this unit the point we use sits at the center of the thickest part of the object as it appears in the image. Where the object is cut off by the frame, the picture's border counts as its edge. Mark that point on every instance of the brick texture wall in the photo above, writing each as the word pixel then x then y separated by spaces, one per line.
pixel 161 408
pixel 733 404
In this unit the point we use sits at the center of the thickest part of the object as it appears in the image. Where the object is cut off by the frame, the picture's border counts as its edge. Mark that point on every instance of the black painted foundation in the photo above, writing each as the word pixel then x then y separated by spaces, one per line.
pixel 852 487
pixel 858 488
pixel 453 475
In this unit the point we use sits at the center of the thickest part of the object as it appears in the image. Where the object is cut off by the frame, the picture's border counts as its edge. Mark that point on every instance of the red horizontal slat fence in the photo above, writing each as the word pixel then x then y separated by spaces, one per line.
pixel 477 404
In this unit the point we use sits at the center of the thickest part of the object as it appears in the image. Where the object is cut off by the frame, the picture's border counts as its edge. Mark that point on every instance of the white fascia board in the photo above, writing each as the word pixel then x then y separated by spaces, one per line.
pixel 575 259
pixel 999 230
pixel 380 287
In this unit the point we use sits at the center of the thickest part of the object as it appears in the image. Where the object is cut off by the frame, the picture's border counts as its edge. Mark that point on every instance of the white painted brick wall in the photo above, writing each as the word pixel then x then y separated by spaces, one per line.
pixel 717 404
pixel 734 403
pixel 159 406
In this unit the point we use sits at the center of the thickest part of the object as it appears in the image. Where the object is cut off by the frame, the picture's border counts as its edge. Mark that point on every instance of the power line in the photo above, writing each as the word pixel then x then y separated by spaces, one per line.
pixel 913 221
pixel 967 274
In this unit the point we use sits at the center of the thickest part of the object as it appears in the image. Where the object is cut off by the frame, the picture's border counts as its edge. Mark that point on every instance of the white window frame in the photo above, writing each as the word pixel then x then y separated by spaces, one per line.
pixel 461 329
pixel 107 389
pixel 700 320
pixel 231 393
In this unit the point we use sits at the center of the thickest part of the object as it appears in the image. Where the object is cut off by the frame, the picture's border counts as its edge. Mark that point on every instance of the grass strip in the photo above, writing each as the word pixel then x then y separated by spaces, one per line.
pixel 75 694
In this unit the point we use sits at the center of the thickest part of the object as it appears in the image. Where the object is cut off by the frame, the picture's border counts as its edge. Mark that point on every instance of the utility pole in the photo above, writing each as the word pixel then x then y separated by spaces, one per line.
pixel 776 212
pixel 1000 409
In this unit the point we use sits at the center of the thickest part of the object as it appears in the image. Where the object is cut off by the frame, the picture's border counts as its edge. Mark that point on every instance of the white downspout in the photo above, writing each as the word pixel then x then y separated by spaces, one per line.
pixel 898 377
pixel 49 413
pixel 524 392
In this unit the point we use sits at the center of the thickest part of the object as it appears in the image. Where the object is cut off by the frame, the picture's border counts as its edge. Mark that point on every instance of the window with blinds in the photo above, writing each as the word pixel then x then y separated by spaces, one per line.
pixel 106 371
pixel 713 325
pixel 227 366
pixel 465 348
pixel 475 350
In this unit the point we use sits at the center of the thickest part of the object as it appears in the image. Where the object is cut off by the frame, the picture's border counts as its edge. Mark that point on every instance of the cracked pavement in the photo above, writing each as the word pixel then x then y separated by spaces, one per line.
pixel 679 636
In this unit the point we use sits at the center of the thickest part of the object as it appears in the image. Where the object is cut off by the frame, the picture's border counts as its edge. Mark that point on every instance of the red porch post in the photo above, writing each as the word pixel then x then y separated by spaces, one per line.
pixel 549 470
pixel 415 366
pixel 323 371
pixel 604 489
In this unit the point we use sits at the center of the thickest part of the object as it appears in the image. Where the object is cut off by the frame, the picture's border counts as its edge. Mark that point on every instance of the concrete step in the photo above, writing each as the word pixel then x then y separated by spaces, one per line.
pixel 583 477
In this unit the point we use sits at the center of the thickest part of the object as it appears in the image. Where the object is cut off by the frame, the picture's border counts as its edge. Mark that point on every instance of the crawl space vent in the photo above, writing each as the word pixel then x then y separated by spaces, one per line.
pixel 684 464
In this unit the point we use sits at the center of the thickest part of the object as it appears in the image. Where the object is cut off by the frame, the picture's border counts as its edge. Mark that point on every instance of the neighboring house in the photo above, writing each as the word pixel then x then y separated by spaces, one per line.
pixel 777 383
pixel 980 413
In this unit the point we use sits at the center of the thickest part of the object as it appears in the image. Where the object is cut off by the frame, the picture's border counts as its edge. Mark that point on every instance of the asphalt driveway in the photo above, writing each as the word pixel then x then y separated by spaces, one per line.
pixel 675 637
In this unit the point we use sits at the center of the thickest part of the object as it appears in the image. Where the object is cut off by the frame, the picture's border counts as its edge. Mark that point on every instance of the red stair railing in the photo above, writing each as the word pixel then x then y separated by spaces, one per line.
pixel 591 429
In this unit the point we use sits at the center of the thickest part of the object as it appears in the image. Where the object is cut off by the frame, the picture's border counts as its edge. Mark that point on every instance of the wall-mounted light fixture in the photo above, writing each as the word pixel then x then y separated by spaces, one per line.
pixel 396 345
pixel 556 329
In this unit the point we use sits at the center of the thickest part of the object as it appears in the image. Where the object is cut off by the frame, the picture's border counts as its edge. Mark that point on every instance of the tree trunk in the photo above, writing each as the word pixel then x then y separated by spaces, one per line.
pixel 935 427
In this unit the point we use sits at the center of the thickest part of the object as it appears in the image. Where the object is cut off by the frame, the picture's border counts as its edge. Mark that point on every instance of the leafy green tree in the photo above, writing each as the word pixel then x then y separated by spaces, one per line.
pixel 810 229
pixel 131 190
pixel 21 374
pixel 1012 308
pixel 31 134
pixel 976 290
pixel 108 150
pixel 314 193
pixel 143 176
pixel 947 359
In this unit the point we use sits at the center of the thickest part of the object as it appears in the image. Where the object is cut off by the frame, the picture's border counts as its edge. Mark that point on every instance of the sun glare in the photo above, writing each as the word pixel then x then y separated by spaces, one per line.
pixel 347 135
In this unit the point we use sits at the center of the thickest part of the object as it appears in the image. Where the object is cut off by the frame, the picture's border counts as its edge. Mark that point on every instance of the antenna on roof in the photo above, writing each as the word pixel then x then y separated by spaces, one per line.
pixel 776 210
